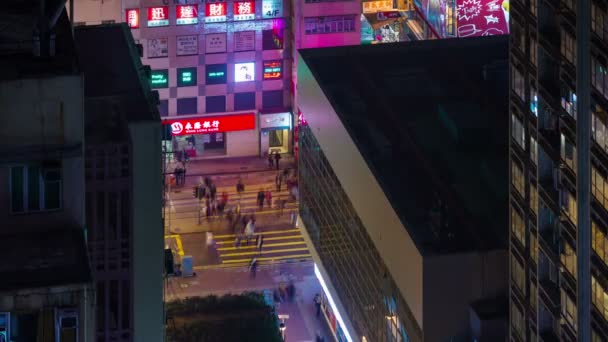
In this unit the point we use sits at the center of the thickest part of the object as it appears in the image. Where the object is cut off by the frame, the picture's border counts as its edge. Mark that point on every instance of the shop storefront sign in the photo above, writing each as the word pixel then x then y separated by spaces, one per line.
pixel 215 12
pixel 211 124
pixel 159 78
pixel 275 120
pixel 132 17
pixel 387 15
pixel 158 16
pixel 482 17
pixel 187 45
pixel 244 41
pixel 375 6
pixel 186 14
pixel 273 70
pixel 244 10
pixel 215 42
pixel 244 72
pixel 272 9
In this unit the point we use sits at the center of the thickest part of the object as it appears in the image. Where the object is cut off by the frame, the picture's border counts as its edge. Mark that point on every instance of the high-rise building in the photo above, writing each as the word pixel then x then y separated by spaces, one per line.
pixel 123 185
pixel 403 187
pixel 559 171
pixel 46 292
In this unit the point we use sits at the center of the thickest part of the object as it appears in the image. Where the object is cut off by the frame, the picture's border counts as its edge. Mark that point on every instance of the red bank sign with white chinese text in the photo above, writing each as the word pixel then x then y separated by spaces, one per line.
pixel 132 17
pixel 216 124
pixel 215 12
pixel 158 16
pixel 186 14
pixel 244 10
pixel 482 17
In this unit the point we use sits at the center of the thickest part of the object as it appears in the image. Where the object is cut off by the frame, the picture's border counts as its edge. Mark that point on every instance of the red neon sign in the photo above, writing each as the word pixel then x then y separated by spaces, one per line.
pixel 132 17
pixel 244 10
pixel 273 70
pixel 215 9
pixel 158 16
pixel 208 124
pixel 186 14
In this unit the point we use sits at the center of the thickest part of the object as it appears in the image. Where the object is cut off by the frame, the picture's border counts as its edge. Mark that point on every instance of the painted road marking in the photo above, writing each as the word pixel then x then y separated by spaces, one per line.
pixel 261 261
pixel 274 238
pixel 286 250
pixel 265 245
pixel 262 233
pixel 178 243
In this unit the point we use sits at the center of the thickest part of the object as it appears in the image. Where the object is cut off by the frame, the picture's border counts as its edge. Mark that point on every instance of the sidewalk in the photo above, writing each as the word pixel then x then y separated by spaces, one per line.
pixel 234 166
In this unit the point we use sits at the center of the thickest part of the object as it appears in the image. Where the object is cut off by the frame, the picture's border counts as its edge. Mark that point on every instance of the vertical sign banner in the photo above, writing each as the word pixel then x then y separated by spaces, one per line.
pixel 273 70
pixel 215 43
pixel 132 17
pixel 158 47
pixel 158 16
pixel 186 14
pixel 215 12
pixel 272 9
pixel 482 17
pixel 244 41
pixel 244 10
pixel 187 45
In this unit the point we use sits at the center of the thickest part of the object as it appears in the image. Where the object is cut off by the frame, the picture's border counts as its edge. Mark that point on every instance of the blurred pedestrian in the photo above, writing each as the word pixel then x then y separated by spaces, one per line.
pixel 278 180
pixel 317 301
pixel 270 160
pixel 253 267
pixel 277 159
pixel 269 198
pixel 261 196
pixel 260 242
pixel 240 187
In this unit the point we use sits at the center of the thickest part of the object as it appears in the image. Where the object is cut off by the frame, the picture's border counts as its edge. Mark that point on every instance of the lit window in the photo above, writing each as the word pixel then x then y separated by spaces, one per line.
pixel 599 297
pixel 568 152
pixel 518 228
pixel 569 102
pixel 518 275
pixel 517 177
pixel 569 205
pixel 35 187
pixel 533 50
pixel 517 130
pixel 517 320
pixel 517 83
pixel 568 258
pixel 534 198
pixel 569 309
pixel 599 242
pixel 568 46
pixel 599 131
pixel 533 7
pixel 533 150
pixel 599 186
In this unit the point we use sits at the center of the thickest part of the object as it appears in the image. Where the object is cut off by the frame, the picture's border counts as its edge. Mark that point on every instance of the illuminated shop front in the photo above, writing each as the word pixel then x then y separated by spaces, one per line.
pixel 388 21
pixel 275 133
pixel 330 311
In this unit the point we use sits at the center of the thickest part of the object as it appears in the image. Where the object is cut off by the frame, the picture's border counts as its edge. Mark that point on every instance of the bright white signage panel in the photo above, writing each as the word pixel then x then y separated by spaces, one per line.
pixel 244 72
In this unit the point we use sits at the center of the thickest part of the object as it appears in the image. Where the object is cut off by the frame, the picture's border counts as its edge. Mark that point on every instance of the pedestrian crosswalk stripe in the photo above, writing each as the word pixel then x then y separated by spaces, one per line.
pixel 273 238
pixel 266 261
pixel 259 233
pixel 265 245
pixel 294 256
pixel 286 250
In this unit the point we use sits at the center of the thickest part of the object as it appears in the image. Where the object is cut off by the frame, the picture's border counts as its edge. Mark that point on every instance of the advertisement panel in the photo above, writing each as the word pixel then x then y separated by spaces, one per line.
pixel 272 9
pixel 244 10
pixel 273 70
pixel 216 124
pixel 482 17
pixel 244 41
pixel 375 6
pixel 275 120
pixel 158 16
pixel 186 14
pixel 215 42
pixel 132 17
pixel 216 74
pixel 159 78
pixel 187 45
pixel 215 12
pixel 244 72
pixel 435 13
pixel 158 47
pixel 186 77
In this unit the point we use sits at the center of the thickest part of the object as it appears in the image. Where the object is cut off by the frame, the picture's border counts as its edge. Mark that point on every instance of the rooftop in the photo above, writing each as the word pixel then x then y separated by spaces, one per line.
pixel 45 259
pixel 431 120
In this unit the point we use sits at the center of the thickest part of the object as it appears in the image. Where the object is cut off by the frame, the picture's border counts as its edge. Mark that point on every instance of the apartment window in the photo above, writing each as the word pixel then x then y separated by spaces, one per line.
pixel 517 130
pixel 332 24
pixel 272 39
pixel 533 150
pixel 163 107
pixel 599 132
pixel 517 177
pixel 569 102
pixel 517 320
pixel 569 309
pixel 518 228
pixel 568 258
pixel 533 295
pixel 534 247
pixel 518 275
pixel 599 297
pixel 568 47
pixel 569 205
pixel 599 242
pixel 533 101
pixel 533 7
pixel 244 101
pixel 599 24
pixel 272 99
pixel 187 106
pixel 533 50
pixel 599 76
pixel 596 337
pixel 215 104
pixel 571 4
pixel 35 187
pixel 568 152
pixel 599 186
pixel 517 83
pixel 534 198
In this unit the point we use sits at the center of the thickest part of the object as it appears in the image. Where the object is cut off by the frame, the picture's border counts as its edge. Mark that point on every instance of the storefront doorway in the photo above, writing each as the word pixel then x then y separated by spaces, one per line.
pixel 275 129
pixel 278 140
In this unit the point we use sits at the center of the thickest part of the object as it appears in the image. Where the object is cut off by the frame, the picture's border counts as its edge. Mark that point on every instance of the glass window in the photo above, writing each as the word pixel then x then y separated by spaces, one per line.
pixel 569 205
pixel 244 101
pixel 598 21
pixel 533 295
pixel 518 275
pixel 534 247
pixel 534 198
pixel 517 320
pixel 35 187
pixel 331 24
pixel 568 258
pixel 599 132
pixel 533 7
pixel 599 242
pixel 599 297
pixel 569 101
pixel 272 99
pixel 568 46
pixel 517 177
pixel 186 77
pixel 533 50
pixel 187 106
pixel 599 76
pixel 569 309
pixel 163 107
pixel 568 152
pixel 517 82
pixel 215 104
pixel 518 228
pixel 517 130
pixel 272 39
pixel 599 186
pixel 533 150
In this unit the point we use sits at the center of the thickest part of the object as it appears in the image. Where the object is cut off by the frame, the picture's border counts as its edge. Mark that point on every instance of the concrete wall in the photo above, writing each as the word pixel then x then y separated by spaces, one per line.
pixel 389 236
pixel 470 276
pixel 243 143
pixel 148 233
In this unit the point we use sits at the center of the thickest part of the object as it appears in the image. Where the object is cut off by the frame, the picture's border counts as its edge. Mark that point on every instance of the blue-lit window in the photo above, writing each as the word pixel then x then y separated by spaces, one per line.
pixel 569 102
pixel 533 101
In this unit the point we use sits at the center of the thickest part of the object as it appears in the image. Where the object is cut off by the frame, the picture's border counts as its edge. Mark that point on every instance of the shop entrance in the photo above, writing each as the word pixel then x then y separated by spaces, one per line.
pixel 197 146
pixel 277 140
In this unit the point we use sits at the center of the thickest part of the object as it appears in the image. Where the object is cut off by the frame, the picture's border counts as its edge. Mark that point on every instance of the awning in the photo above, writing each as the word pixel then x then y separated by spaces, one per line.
pixel 379 19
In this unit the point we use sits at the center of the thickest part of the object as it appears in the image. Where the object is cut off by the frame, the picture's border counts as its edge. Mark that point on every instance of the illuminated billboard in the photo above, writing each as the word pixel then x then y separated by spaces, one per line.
pixel 244 10
pixel 482 17
pixel 244 72
pixel 159 78
pixel 158 16
pixel 132 15
pixel 215 12
pixel 206 124
pixel 273 70
pixel 186 14
pixel 435 13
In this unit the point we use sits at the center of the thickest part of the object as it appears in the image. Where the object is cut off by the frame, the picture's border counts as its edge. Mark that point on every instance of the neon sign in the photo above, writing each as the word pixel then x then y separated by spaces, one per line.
pixel 132 15
pixel 159 78
pixel 158 16
pixel 186 14
pixel 215 12
pixel 244 10
pixel 206 124
pixel 273 70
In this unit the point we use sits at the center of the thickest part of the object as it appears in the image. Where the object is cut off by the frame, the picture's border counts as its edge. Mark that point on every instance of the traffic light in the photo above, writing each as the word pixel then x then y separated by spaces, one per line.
pixel 195 192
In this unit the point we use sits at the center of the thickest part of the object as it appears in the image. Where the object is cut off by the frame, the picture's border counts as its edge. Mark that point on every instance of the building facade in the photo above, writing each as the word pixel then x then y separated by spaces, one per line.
pixel 558 172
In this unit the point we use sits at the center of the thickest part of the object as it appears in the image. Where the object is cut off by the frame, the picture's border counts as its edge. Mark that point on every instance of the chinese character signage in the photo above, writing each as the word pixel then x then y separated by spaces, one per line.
pixel 187 45
pixel 186 14
pixel 273 70
pixel 482 17
pixel 244 41
pixel 158 47
pixel 272 9
pixel 205 124
pixel 215 42
pixel 375 6
pixel 159 78
pixel 215 12
pixel 244 10
pixel 244 72
pixel 132 17
pixel 186 77
pixel 158 16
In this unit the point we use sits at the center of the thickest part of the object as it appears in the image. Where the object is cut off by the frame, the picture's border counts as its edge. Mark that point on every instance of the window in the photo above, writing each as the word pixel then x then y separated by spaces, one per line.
pixel 599 24
pixel 518 228
pixel 599 132
pixel 187 106
pixel 186 77
pixel 333 24
pixel 518 275
pixel 599 242
pixel 534 198
pixel 568 47
pixel 533 50
pixel 35 187
pixel 568 258
pixel 599 186
pixel 569 102
pixel 533 7
pixel 596 337
pixel 533 100
pixel 533 150
pixel 569 205
pixel 568 152
pixel 215 73
pixel 533 294
pixel 599 297
pixel 517 320
pixel 534 247
pixel 517 130
pixel 244 101
pixel 215 104
pixel 163 107
pixel 272 39
pixel 272 99
pixel 599 76
pixel 569 309
pixel 517 84
pixel 517 177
